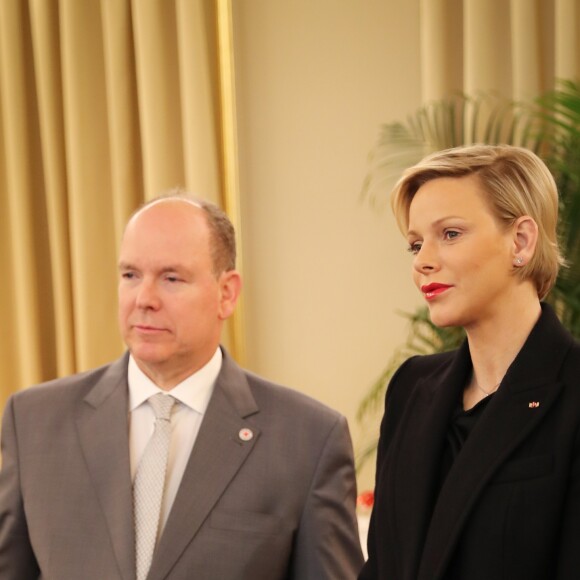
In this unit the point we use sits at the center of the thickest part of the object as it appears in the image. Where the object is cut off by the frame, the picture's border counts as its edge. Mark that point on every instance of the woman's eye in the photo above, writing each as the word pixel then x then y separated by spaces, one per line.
pixel 414 248
pixel 451 234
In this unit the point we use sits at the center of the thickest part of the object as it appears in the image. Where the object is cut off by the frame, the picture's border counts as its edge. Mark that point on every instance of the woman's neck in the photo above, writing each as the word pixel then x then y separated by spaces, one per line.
pixel 493 345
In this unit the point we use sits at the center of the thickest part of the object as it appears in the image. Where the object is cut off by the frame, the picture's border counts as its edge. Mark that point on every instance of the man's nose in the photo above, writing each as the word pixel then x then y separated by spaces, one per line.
pixel 148 295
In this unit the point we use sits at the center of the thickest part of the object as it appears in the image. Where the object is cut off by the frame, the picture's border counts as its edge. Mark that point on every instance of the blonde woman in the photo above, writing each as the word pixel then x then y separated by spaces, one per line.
pixel 478 470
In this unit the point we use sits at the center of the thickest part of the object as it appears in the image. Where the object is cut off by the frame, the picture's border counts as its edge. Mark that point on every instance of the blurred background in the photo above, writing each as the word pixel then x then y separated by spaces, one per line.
pixel 268 107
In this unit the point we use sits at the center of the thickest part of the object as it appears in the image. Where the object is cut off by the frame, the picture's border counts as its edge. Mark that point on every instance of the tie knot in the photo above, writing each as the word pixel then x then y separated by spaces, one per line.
pixel 162 405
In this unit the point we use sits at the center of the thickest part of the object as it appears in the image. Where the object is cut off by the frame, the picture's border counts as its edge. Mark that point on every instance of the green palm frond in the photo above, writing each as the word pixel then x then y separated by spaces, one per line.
pixel 560 113
pixel 423 338
pixel 451 122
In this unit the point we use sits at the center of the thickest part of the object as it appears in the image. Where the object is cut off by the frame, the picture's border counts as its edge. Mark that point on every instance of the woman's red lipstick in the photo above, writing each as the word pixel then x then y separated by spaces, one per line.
pixel 433 290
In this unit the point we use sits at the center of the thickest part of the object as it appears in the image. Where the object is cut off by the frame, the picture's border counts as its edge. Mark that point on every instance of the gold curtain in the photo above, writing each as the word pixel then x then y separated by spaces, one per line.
pixel 103 104
pixel 517 48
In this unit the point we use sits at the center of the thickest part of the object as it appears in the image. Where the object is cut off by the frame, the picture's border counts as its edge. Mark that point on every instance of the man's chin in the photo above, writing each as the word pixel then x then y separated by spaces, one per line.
pixel 148 356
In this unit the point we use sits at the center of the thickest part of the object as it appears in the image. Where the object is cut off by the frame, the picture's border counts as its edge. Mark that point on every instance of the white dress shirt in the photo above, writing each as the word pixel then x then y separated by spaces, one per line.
pixel 192 395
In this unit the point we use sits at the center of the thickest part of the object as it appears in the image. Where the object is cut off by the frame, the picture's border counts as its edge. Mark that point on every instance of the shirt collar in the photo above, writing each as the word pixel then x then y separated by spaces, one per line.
pixel 194 392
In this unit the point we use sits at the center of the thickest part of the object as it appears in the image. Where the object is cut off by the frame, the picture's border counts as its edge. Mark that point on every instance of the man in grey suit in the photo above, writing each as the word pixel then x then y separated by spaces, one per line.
pixel 259 481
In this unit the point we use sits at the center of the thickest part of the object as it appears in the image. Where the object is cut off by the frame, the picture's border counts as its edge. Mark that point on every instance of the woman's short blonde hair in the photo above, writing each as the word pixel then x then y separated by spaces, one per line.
pixel 516 182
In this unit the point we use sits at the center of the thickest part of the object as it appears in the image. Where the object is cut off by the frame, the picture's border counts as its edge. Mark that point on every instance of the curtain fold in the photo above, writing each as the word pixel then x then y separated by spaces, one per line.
pixel 527 47
pixel 46 50
pixel 441 42
pixel 21 156
pixel 92 235
pixel 123 112
pixel 514 48
pixel 158 85
pixel 103 105
pixel 567 19
pixel 200 97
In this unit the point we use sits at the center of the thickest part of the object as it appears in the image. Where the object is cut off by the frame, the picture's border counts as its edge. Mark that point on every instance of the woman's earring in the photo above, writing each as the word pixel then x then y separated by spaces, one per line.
pixel 518 261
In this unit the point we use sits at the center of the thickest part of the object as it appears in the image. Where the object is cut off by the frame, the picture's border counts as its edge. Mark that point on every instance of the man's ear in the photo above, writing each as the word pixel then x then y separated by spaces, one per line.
pixel 525 239
pixel 230 286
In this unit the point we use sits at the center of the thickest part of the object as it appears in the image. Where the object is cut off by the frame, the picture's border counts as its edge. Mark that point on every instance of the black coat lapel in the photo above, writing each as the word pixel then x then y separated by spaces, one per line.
pixel 416 476
pixel 525 396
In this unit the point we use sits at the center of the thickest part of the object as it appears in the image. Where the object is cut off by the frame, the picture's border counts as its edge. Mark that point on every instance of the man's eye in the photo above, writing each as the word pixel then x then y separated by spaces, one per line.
pixel 127 275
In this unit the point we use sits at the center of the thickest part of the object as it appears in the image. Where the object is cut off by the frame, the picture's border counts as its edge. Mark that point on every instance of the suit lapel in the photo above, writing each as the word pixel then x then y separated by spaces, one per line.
pixel 417 473
pixel 525 396
pixel 205 478
pixel 103 433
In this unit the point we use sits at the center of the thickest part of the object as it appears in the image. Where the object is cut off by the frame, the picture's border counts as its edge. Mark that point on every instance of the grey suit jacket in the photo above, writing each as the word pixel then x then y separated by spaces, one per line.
pixel 279 506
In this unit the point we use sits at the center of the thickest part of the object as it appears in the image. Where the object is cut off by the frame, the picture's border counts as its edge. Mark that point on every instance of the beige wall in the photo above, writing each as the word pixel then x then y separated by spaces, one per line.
pixel 324 273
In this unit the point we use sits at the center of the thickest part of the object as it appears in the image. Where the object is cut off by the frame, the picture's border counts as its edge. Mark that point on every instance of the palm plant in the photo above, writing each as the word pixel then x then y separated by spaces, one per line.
pixel 550 126
pixel 561 112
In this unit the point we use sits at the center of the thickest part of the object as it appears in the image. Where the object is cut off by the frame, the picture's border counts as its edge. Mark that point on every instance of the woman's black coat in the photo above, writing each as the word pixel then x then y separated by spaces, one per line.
pixel 510 505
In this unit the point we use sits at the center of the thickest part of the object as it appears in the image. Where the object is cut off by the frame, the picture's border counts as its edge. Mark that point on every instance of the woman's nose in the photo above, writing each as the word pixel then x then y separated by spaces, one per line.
pixel 425 260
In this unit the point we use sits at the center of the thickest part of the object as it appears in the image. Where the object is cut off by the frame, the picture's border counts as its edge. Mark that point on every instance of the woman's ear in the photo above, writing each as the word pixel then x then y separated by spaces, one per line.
pixel 525 231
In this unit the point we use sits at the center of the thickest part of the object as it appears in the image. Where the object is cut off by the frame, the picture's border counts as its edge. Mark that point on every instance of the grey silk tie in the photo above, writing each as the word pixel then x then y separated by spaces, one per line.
pixel 150 482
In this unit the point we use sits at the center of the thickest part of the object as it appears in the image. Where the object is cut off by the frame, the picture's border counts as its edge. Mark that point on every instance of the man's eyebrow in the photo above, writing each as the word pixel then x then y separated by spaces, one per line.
pixel 163 270
pixel 173 268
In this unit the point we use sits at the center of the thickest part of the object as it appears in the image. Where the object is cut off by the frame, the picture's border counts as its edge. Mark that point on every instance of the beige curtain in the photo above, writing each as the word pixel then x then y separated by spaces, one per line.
pixel 103 104
pixel 517 48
